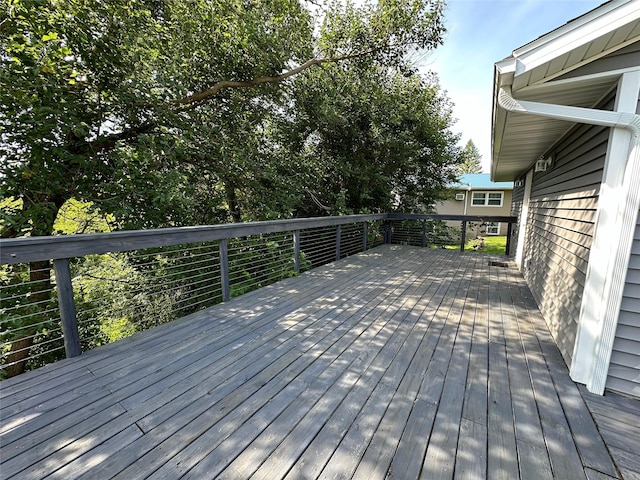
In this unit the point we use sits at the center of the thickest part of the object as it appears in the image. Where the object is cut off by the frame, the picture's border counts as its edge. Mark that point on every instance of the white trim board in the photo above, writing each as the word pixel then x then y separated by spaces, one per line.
pixel 583 30
pixel 609 257
pixel 524 216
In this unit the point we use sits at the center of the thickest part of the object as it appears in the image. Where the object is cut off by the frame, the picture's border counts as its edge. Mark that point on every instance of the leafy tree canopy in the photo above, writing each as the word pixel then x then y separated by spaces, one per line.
pixel 383 139
pixel 470 159
pixel 105 101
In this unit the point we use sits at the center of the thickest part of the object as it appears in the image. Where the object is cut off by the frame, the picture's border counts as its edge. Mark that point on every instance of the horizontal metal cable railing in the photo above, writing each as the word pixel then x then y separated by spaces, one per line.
pixel 29 314
pixel 63 295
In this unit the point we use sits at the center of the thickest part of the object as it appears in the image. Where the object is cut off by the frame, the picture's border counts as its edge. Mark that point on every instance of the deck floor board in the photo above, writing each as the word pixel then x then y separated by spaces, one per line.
pixel 400 362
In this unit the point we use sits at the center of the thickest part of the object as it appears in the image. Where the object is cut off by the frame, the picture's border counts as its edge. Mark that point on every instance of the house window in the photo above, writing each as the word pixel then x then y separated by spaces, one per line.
pixel 487 199
pixel 492 228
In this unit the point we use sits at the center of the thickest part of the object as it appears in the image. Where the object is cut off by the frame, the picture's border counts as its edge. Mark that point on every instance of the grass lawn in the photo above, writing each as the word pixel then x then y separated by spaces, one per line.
pixel 492 244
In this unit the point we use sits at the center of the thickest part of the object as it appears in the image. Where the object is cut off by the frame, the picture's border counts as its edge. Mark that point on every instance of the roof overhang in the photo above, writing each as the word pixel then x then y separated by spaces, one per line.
pixel 555 69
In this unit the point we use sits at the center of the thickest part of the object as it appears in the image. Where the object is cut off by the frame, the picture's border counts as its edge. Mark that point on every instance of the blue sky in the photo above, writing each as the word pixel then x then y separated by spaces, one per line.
pixel 480 33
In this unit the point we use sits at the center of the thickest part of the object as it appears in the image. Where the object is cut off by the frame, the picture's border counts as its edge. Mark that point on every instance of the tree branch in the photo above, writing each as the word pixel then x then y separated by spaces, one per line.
pixel 108 142
pixel 213 91
pixel 130 135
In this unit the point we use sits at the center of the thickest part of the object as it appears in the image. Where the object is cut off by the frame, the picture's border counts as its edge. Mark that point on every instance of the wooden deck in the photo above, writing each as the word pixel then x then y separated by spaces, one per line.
pixel 618 419
pixel 398 363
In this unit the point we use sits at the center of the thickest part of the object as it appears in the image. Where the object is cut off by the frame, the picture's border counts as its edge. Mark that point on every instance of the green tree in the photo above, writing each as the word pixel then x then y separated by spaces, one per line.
pixel 96 95
pixel 383 139
pixel 99 98
pixel 470 159
pixel 264 170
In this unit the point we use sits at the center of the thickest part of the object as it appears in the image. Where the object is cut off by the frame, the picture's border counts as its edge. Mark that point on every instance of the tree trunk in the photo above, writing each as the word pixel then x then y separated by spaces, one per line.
pixel 232 201
pixel 40 294
pixel 40 297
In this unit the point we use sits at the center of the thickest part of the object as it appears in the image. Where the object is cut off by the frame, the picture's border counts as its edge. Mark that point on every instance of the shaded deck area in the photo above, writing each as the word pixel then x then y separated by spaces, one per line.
pixel 399 362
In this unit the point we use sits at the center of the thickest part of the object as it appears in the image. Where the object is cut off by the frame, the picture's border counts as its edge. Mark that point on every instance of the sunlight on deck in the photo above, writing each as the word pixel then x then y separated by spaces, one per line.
pixel 400 362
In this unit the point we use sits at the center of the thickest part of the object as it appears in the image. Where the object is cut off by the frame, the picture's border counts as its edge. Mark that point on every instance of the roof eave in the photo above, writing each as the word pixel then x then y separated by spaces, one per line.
pixel 538 54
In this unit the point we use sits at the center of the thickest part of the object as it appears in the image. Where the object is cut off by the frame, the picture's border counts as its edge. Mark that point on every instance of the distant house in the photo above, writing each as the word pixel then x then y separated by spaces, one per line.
pixel 566 129
pixel 476 194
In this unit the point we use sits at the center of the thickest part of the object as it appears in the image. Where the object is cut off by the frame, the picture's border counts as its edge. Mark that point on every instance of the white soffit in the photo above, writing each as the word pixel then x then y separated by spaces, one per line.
pixel 524 138
pixel 535 72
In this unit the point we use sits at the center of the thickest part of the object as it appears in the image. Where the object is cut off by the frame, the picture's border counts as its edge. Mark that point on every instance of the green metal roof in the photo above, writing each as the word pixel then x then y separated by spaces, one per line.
pixel 477 181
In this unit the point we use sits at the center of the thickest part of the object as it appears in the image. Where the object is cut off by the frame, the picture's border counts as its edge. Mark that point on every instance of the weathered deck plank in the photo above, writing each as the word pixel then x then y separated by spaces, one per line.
pixel 618 421
pixel 397 363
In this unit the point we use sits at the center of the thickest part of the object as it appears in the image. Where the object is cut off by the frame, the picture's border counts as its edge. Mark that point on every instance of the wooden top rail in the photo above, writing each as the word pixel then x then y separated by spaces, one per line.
pixel 31 249
pixel 460 218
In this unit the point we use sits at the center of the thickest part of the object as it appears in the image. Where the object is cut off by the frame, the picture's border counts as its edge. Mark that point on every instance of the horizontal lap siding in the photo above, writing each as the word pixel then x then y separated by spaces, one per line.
pixel 624 368
pixel 562 211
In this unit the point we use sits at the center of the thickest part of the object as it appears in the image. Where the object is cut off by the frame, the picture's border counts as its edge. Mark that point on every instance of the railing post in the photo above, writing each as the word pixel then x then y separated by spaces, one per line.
pixel 67 307
pixel 507 247
pixel 338 239
pixel 296 251
pixel 387 231
pixel 365 232
pixel 224 269
pixel 423 243
pixel 463 236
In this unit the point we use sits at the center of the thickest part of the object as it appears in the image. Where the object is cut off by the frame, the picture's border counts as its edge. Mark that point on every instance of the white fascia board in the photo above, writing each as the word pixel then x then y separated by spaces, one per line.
pixel 502 76
pixel 506 66
pixel 601 21
pixel 548 47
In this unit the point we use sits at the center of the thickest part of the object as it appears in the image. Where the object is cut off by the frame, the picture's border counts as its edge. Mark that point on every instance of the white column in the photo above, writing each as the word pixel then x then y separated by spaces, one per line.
pixel 522 221
pixel 609 257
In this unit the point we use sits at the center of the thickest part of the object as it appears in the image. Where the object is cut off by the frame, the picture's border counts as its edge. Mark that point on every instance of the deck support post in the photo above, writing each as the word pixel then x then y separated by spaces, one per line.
pixel 365 233
pixel 387 231
pixel 224 269
pixel 338 240
pixel 507 248
pixel 463 235
pixel 423 242
pixel 67 307
pixel 296 251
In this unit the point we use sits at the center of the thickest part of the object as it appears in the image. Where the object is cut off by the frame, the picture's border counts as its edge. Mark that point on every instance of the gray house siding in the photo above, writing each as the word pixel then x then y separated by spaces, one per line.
pixel 562 211
pixel 624 367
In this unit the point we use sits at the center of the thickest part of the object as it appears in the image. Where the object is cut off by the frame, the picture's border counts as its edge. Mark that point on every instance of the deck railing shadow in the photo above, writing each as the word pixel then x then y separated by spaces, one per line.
pixel 98 288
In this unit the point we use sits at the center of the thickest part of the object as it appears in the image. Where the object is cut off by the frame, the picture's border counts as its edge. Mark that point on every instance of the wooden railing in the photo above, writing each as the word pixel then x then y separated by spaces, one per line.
pixel 338 237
